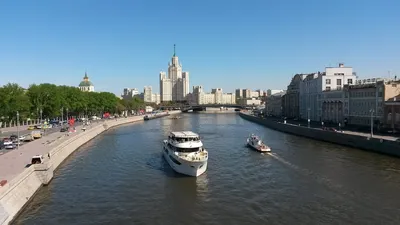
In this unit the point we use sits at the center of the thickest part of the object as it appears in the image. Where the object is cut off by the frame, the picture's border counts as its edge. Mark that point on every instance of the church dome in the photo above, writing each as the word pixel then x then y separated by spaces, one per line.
pixel 85 82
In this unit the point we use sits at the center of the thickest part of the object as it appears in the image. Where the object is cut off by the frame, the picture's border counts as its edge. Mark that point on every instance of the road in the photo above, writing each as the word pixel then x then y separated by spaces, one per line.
pixel 14 161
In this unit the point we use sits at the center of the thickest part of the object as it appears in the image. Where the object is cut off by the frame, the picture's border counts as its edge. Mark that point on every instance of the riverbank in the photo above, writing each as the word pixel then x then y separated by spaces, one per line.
pixel 22 186
pixel 374 144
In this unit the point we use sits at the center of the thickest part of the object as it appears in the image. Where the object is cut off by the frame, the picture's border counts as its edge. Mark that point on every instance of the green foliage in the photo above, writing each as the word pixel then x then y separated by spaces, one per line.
pixel 52 100
pixel 134 103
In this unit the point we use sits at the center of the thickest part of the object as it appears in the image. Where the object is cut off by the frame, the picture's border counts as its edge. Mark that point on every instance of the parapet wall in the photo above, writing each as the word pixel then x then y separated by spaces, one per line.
pixel 15 194
pixel 355 141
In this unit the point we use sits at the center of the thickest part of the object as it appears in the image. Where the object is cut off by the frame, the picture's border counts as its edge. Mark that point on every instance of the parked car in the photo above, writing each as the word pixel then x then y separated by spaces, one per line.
pixel 13 137
pixel 7 141
pixel 29 137
pixel 31 127
pixel 10 146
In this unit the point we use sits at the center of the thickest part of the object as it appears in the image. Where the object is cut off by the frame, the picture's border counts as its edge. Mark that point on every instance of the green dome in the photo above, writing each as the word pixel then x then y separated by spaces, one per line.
pixel 85 83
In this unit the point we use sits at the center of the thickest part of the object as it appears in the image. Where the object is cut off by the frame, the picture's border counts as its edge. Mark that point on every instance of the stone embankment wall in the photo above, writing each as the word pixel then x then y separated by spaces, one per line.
pixel 16 193
pixel 355 141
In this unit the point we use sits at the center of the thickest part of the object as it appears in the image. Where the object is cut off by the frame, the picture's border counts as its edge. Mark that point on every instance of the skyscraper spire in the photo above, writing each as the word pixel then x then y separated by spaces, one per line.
pixel 174 50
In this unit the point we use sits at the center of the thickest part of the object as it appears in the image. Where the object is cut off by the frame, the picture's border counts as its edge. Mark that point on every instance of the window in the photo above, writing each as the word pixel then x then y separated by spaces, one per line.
pixel 328 88
pixel 328 81
pixel 174 160
pixel 339 88
pixel 349 81
pixel 338 81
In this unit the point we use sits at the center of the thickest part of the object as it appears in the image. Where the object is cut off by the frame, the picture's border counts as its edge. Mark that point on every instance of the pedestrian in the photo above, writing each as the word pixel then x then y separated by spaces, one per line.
pixel 48 154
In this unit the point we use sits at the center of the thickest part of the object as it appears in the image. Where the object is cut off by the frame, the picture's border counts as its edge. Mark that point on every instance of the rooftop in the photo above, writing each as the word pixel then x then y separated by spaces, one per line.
pixel 184 134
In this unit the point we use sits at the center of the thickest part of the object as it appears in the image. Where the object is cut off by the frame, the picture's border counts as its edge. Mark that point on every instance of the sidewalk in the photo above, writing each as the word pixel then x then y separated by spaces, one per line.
pixel 316 125
pixel 15 161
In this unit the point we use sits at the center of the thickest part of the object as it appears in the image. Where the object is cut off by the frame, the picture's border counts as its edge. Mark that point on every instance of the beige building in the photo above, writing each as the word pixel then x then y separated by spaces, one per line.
pixel 215 97
pixel 356 103
pixel 367 98
pixel 249 101
pixel 175 86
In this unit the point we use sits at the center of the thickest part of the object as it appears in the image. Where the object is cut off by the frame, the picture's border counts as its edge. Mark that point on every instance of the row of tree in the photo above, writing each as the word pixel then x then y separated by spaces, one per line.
pixel 50 101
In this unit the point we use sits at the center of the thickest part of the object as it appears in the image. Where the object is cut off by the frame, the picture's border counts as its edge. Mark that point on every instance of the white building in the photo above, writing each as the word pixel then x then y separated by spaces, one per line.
pixel 165 87
pixel 86 85
pixel 311 88
pixel 175 86
pixel 274 104
pixel 129 93
pixel 249 101
pixel 272 92
pixel 156 98
pixel 215 97
pixel 147 94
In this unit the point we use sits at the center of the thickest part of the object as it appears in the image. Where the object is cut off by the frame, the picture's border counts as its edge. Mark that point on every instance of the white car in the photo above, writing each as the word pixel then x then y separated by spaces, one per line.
pixel 10 146
pixel 7 142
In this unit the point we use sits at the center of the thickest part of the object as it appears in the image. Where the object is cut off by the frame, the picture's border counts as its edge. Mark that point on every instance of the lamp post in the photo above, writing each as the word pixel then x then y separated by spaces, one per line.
pixel 41 116
pixel 372 122
pixel 17 130
pixel 62 115
pixel 308 117
pixel 67 114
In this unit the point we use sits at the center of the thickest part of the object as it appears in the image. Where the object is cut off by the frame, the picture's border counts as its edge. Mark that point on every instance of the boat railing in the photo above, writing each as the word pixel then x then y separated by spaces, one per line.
pixel 195 156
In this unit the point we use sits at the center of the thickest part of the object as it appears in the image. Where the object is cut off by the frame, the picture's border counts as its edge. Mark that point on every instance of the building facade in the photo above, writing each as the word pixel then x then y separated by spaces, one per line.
pixel 367 99
pixel 86 85
pixel 273 105
pixel 147 94
pixel 313 85
pixel 175 85
pixel 291 100
pixel 199 97
pixel 129 93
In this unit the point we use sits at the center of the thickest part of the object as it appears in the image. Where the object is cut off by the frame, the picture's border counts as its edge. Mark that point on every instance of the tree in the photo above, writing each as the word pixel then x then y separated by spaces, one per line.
pixel 13 99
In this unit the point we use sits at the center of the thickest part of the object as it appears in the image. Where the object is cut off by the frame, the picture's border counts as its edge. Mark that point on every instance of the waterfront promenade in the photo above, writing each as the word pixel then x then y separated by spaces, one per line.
pixel 378 143
pixel 345 130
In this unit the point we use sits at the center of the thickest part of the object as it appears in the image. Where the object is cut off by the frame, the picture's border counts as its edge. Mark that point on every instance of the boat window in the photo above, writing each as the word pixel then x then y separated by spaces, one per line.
pixel 174 160
pixel 187 149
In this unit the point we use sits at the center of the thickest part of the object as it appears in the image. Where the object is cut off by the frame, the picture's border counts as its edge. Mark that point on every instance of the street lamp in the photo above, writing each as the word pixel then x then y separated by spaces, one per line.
pixel 308 117
pixel 67 114
pixel 372 122
pixel 62 115
pixel 41 116
pixel 17 130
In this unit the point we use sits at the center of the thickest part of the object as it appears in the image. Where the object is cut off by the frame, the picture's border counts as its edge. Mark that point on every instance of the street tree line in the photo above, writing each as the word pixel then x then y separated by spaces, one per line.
pixel 50 101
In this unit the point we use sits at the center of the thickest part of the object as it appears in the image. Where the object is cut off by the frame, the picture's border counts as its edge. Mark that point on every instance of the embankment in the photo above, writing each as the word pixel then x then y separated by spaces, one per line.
pixel 16 194
pixel 366 143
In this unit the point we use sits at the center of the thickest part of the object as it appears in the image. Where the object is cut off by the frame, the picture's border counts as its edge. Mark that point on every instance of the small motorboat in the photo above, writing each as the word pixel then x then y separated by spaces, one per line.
pixel 175 117
pixel 257 144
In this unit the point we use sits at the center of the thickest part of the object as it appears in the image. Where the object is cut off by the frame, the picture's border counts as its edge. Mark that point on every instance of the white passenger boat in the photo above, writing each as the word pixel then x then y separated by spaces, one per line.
pixel 256 143
pixel 184 152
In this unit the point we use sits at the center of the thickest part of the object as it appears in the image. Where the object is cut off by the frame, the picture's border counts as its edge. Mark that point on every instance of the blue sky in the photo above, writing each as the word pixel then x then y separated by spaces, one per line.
pixel 222 43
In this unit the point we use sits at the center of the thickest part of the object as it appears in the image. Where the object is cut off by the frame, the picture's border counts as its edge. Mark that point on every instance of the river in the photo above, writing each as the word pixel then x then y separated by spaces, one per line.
pixel 121 178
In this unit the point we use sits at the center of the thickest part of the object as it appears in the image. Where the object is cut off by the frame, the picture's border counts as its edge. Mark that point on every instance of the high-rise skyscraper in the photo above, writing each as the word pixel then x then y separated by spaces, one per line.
pixel 175 86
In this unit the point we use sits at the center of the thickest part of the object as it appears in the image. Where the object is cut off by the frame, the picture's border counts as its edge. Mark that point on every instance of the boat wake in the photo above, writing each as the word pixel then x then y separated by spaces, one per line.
pixel 306 172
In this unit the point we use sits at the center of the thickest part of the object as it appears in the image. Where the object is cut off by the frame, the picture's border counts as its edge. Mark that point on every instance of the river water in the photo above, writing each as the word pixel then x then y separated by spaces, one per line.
pixel 121 178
